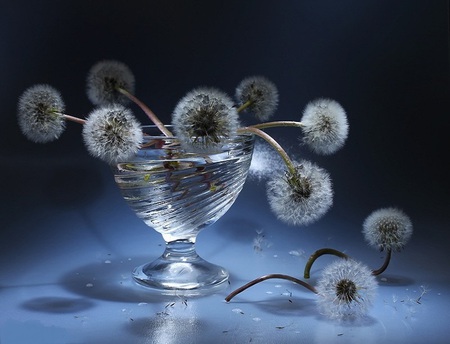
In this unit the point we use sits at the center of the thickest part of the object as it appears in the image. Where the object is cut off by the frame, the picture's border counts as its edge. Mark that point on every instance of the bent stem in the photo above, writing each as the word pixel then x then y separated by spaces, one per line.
pixel 319 253
pixel 385 264
pixel 147 111
pixel 266 277
pixel 273 143
pixel 274 124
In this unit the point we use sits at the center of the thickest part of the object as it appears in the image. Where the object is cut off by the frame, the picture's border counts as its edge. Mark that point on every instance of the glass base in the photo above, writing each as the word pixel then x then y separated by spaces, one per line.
pixel 181 271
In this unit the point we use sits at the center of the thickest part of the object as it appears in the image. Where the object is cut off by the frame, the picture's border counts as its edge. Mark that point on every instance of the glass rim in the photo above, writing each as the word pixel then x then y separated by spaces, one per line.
pixel 161 135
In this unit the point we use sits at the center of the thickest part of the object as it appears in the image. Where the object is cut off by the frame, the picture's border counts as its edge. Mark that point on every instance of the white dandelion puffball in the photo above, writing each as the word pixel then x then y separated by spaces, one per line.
pixel 303 198
pixel 112 134
pixel 387 229
pixel 104 79
pixel 204 119
pixel 346 290
pixel 40 113
pixel 325 126
pixel 262 95
pixel 265 161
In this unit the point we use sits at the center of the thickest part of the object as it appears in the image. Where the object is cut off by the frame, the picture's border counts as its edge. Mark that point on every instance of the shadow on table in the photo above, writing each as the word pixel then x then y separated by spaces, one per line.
pixel 57 305
pixel 112 281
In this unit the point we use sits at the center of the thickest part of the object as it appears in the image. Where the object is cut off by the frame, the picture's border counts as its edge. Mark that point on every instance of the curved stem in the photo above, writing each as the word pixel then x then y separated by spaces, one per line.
pixel 147 111
pixel 319 253
pixel 244 106
pixel 277 124
pixel 273 143
pixel 385 264
pixel 266 277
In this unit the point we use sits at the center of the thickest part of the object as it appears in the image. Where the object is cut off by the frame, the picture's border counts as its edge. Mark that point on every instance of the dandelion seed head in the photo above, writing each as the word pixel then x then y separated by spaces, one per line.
pixel 103 80
pixel 265 161
pixel 261 92
pixel 112 133
pixel 203 119
pixel 39 113
pixel 325 126
pixel 387 229
pixel 303 198
pixel 346 289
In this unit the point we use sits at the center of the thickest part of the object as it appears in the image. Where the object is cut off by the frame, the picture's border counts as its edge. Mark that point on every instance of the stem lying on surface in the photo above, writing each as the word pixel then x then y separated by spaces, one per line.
pixel 385 264
pixel 273 143
pixel 274 124
pixel 147 111
pixel 266 277
pixel 319 253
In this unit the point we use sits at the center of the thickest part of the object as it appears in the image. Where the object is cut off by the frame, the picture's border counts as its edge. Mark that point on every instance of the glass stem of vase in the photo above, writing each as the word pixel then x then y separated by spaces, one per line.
pixel 184 249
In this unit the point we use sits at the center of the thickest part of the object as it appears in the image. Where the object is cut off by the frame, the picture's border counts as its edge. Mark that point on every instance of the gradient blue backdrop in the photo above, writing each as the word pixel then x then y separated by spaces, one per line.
pixel 386 62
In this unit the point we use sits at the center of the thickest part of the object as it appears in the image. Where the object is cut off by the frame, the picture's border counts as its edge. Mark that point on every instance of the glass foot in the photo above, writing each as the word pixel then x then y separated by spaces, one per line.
pixel 181 271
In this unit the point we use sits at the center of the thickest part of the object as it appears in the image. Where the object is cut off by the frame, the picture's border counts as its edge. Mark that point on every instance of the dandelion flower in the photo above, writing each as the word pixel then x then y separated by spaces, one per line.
pixel 105 78
pixel 112 133
pixel 387 229
pixel 325 126
pixel 39 113
pixel 346 289
pixel 302 198
pixel 261 95
pixel 204 119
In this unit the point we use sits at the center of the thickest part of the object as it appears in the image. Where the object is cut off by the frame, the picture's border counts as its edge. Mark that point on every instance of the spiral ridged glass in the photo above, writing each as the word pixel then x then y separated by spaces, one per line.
pixel 178 193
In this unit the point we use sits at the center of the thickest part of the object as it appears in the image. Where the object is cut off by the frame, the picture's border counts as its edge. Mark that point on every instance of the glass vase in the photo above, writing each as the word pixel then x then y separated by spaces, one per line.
pixel 178 193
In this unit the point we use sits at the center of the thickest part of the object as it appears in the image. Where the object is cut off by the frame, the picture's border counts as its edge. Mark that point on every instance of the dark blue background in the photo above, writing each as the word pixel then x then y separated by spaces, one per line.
pixel 386 62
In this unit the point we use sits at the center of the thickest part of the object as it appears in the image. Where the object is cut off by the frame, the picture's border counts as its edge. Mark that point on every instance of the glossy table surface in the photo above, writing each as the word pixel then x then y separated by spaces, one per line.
pixel 68 280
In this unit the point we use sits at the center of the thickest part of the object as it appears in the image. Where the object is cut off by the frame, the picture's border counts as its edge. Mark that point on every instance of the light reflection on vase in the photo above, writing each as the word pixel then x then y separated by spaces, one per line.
pixel 178 194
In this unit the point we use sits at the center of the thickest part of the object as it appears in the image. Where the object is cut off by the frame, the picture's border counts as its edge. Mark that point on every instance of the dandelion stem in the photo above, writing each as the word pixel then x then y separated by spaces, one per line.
pixel 147 111
pixel 277 124
pixel 72 118
pixel 244 106
pixel 385 264
pixel 319 253
pixel 274 144
pixel 266 277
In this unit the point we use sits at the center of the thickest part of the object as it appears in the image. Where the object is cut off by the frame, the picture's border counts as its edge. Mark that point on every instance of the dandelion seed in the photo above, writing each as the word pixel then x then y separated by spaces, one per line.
pixel 105 78
pixel 387 229
pixel 297 253
pixel 424 290
pixel 112 134
pixel 346 290
pixel 259 95
pixel 302 198
pixel 258 243
pixel 39 113
pixel 325 126
pixel 204 119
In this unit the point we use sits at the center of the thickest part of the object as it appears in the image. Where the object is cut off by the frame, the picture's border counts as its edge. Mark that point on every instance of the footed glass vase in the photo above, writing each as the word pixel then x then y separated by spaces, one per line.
pixel 178 193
